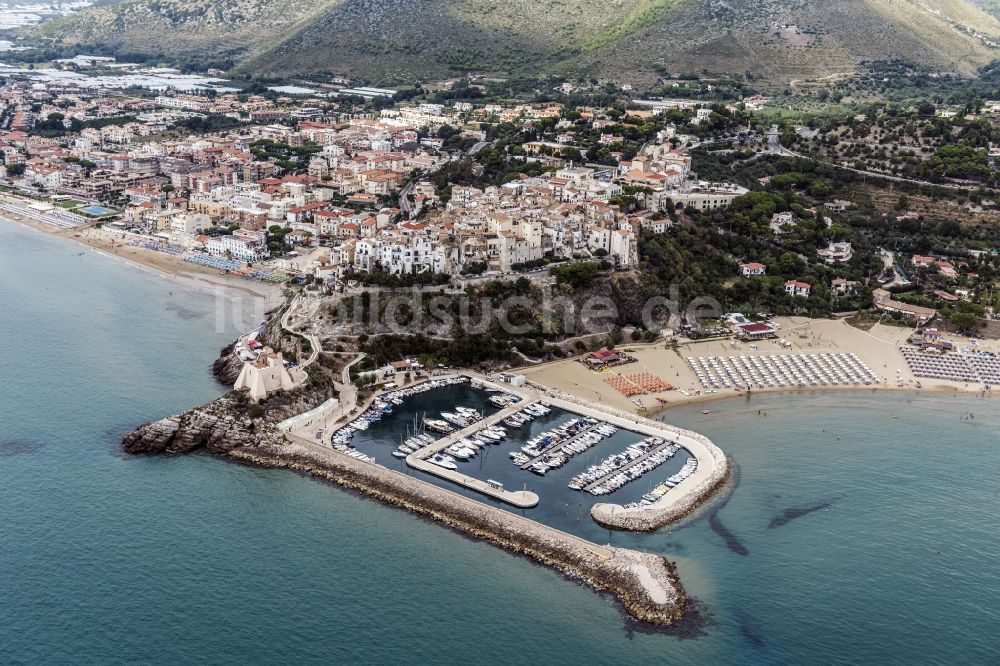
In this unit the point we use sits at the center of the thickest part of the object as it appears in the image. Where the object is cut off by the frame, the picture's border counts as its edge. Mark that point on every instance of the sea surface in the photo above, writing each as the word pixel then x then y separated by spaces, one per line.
pixel 863 528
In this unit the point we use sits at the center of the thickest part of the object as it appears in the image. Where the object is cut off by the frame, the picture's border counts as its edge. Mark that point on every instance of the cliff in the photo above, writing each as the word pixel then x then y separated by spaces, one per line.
pixel 227 367
pixel 227 423
pixel 218 427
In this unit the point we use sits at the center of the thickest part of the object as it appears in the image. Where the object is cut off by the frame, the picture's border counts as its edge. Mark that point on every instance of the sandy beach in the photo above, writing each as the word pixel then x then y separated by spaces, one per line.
pixel 115 245
pixel 879 348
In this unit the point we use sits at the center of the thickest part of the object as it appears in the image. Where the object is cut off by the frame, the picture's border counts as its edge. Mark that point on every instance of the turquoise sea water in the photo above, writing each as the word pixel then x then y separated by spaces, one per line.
pixel 884 549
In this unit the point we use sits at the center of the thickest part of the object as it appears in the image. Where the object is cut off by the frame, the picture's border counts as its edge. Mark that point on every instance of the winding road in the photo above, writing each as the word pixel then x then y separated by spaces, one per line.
pixel 311 337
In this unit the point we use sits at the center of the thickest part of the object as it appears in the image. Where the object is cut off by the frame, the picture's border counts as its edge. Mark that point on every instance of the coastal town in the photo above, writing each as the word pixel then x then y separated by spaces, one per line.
pixel 339 191
pixel 347 186
pixel 355 182
pixel 653 331
pixel 347 205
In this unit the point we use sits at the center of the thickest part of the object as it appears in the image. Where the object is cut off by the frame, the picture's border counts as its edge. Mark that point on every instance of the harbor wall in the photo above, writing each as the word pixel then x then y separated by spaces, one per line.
pixel 646 584
pixel 712 474
pixel 655 516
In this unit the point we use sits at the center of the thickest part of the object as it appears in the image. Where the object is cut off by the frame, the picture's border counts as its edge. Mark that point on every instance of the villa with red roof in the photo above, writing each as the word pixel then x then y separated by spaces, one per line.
pixel 798 289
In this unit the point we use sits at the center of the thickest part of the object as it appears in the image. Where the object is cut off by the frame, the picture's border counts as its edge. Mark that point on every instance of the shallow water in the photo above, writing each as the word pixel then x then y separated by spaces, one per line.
pixel 110 558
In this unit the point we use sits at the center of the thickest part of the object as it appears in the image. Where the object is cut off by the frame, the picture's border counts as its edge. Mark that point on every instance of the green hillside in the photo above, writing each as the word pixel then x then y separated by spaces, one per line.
pixel 401 40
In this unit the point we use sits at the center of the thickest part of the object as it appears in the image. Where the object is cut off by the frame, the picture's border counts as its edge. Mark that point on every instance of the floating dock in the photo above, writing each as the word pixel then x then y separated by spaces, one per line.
pixel 522 499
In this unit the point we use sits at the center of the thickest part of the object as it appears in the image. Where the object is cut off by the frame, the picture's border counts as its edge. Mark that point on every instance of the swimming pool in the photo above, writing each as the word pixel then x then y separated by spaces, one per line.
pixel 97 210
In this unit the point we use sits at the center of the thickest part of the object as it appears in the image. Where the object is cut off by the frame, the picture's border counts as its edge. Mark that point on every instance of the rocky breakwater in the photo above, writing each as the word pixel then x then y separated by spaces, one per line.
pixel 225 424
pixel 646 584
pixel 218 427
pixel 713 473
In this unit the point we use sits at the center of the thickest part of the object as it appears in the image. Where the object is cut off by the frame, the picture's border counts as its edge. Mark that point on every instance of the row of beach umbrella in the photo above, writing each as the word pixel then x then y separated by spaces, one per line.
pixel 781 370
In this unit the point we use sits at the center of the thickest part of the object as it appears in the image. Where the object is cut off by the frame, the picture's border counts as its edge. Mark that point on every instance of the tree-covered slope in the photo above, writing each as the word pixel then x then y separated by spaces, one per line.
pixel 399 40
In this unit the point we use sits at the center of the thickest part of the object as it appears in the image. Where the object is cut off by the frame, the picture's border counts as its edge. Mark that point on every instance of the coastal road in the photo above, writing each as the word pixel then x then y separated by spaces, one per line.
pixel 348 393
pixel 541 277
pixel 476 147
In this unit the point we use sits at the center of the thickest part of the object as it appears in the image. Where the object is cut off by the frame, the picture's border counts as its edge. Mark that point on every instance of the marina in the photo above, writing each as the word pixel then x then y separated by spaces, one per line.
pixel 572 438
pixel 614 472
pixel 518 447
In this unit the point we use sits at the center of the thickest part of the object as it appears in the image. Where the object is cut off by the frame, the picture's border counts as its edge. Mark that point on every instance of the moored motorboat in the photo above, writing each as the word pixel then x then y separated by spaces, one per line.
pixel 442 460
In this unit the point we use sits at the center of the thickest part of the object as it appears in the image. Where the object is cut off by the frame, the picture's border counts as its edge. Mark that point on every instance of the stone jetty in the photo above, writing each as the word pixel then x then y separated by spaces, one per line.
pixel 646 584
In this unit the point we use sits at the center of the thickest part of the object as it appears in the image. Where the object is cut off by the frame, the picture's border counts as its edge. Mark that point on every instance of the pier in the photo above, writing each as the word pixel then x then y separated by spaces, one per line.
pixel 555 446
pixel 629 465
pixel 522 499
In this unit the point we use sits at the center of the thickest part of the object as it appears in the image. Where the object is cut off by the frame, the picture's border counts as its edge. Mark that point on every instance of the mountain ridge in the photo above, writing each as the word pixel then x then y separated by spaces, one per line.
pixel 404 40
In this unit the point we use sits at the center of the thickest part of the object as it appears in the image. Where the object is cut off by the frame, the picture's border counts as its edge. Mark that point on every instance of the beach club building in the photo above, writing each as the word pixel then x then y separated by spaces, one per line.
pixel 756 331
pixel 931 339
pixel 605 358
pixel 883 301
pixel 242 244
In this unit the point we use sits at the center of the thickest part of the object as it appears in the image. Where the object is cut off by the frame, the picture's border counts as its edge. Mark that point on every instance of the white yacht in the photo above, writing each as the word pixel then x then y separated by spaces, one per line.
pixel 460 452
pixel 454 419
pixel 442 460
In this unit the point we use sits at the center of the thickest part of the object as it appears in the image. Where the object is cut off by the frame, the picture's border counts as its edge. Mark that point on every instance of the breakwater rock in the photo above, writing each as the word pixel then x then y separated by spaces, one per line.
pixel 678 503
pixel 208 427
pixel 227 423
pixel 646 584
